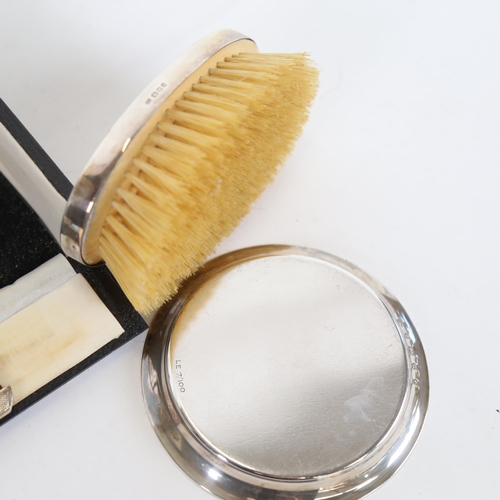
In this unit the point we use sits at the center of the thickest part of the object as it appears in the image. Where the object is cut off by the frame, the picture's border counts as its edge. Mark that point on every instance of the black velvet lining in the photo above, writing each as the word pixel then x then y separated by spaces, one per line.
pixel 25 244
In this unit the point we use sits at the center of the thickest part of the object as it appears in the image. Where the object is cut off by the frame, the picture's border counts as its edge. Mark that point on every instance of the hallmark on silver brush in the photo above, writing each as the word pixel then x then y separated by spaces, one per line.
pixel 156 92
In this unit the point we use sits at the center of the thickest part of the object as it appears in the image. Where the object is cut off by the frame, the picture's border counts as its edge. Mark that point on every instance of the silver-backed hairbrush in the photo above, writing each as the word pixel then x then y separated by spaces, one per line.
pixel 182 166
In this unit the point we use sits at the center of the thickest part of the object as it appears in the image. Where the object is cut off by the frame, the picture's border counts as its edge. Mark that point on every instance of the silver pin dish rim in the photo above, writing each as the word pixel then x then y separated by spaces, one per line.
pixel 202 463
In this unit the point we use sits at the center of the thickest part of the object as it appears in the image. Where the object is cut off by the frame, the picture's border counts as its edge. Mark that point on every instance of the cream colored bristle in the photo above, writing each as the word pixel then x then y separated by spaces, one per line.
pixel 198 173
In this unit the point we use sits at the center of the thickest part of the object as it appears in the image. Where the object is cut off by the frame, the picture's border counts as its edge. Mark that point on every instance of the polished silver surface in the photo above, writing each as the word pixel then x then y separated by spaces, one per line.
pixel 282 372
pixel 84 210
pixel 6 401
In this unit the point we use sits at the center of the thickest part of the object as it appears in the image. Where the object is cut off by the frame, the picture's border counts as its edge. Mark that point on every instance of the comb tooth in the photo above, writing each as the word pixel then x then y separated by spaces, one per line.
pixel 194 178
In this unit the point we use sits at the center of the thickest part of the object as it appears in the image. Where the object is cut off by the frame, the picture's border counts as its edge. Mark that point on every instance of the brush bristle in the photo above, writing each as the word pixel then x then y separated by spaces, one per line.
pixel 198 173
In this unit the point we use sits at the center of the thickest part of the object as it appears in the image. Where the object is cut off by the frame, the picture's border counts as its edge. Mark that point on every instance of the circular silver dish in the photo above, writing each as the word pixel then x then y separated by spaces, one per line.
pixel 285 373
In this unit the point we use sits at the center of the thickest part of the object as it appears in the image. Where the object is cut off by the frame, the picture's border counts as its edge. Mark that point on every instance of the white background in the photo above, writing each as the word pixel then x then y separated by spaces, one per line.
pixel 397 171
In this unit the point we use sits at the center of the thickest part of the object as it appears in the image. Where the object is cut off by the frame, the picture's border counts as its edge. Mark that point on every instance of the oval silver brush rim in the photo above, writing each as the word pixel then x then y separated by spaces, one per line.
pixel 79 210
pixel 234 481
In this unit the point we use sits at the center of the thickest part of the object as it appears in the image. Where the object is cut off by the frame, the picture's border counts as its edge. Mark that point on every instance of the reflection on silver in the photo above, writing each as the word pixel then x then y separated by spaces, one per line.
pixel 282 372
pixel 6 401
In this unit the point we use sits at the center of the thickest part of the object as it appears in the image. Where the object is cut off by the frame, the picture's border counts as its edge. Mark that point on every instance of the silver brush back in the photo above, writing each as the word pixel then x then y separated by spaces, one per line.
pixel 90 200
